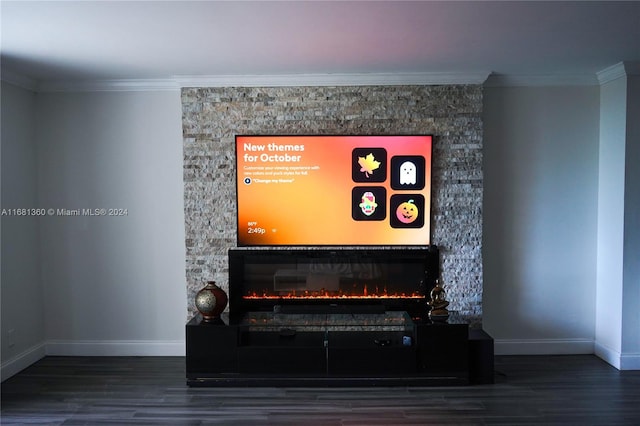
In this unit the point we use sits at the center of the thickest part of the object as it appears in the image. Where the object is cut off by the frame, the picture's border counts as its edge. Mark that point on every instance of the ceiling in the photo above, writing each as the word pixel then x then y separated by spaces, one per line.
pixel 107 40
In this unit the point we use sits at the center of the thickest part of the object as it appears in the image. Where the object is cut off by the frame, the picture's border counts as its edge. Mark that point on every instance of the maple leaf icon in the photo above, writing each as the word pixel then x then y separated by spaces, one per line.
pixel 368 164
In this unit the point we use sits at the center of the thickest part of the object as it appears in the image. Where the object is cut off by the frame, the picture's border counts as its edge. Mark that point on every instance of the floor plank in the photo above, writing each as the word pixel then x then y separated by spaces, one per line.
pixel 529 390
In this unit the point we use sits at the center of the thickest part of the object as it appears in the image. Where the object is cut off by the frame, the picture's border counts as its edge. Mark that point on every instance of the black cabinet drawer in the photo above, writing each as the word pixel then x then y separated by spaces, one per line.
pixel 381 361
pixel 369 339
pixel 282 360
pixel 211 348
pixel 371 352
pixel 443 349
pixel 288 338
pixel 288 352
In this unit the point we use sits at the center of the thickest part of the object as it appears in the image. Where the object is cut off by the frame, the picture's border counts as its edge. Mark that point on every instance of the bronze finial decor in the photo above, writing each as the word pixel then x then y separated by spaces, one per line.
pixel 438 304
pixel 211 301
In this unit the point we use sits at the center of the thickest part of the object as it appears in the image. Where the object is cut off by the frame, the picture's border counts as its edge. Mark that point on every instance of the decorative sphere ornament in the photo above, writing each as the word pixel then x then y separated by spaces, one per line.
pixel 211 301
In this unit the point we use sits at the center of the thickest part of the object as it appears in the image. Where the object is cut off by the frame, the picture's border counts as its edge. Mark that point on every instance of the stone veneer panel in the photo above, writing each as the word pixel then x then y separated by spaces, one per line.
pixel 213 116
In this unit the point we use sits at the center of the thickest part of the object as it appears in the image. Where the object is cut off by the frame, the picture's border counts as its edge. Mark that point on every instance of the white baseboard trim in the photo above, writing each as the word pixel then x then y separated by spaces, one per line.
pixel 22 361
pixel 630 362
pixel 621 361
pixel 608 355
pixel 115 348
pixel 543 346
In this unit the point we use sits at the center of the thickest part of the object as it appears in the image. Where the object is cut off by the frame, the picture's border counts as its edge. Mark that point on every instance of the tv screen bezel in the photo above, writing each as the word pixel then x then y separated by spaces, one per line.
pixel 429 182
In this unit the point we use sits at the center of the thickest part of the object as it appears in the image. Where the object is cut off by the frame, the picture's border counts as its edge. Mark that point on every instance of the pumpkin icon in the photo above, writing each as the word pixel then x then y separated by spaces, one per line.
pixel 407 212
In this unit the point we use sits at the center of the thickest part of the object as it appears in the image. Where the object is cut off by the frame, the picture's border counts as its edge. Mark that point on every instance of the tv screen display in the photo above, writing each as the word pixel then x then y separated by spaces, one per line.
pixel 333 190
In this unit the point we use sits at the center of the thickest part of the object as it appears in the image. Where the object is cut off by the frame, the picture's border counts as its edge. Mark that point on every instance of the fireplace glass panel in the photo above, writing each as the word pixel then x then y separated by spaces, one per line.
pixel 266 279
pixel 331 279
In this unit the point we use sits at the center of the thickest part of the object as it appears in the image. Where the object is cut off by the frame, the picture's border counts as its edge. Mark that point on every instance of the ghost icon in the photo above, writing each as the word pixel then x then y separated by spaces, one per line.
pixel 407 173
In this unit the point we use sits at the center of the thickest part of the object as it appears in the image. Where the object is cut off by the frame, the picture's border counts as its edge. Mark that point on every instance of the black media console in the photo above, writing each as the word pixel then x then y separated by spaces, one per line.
pixel 287 350
pixel 327 318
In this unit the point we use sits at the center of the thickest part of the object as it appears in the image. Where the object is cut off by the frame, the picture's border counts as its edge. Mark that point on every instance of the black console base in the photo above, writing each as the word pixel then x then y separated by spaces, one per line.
pixel 245 380
pixel 481 356
pixel 422 354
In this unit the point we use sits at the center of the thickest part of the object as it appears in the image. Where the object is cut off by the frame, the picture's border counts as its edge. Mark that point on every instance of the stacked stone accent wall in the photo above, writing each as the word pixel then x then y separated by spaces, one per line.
pixel 452 114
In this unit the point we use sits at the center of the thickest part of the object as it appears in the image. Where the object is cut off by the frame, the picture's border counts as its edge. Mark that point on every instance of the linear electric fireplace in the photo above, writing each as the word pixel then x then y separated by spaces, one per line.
pixel 330 280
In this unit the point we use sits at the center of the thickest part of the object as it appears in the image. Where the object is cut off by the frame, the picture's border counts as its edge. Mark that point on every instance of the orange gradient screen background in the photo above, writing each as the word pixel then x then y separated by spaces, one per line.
pixel 297 190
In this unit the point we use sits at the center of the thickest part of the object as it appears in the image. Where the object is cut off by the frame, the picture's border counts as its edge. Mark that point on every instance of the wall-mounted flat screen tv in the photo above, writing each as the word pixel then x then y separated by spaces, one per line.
pixel 333 190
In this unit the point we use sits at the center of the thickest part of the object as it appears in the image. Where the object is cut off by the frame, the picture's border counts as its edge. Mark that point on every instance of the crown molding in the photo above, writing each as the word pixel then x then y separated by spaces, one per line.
pixel 501 80
pixel 279 80
pixel 621 69
pixel 360 79
pixel 131 85
pixel 355 79
pixel 611 73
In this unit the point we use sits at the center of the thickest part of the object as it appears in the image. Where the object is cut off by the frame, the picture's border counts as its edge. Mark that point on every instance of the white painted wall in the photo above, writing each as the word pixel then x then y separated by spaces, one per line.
pixel 540 218
pixel 112 285
pixel 21 290
pixel 116 285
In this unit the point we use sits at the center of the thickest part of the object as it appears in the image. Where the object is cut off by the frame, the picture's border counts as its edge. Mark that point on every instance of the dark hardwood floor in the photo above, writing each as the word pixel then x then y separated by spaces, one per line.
pixel 540 390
